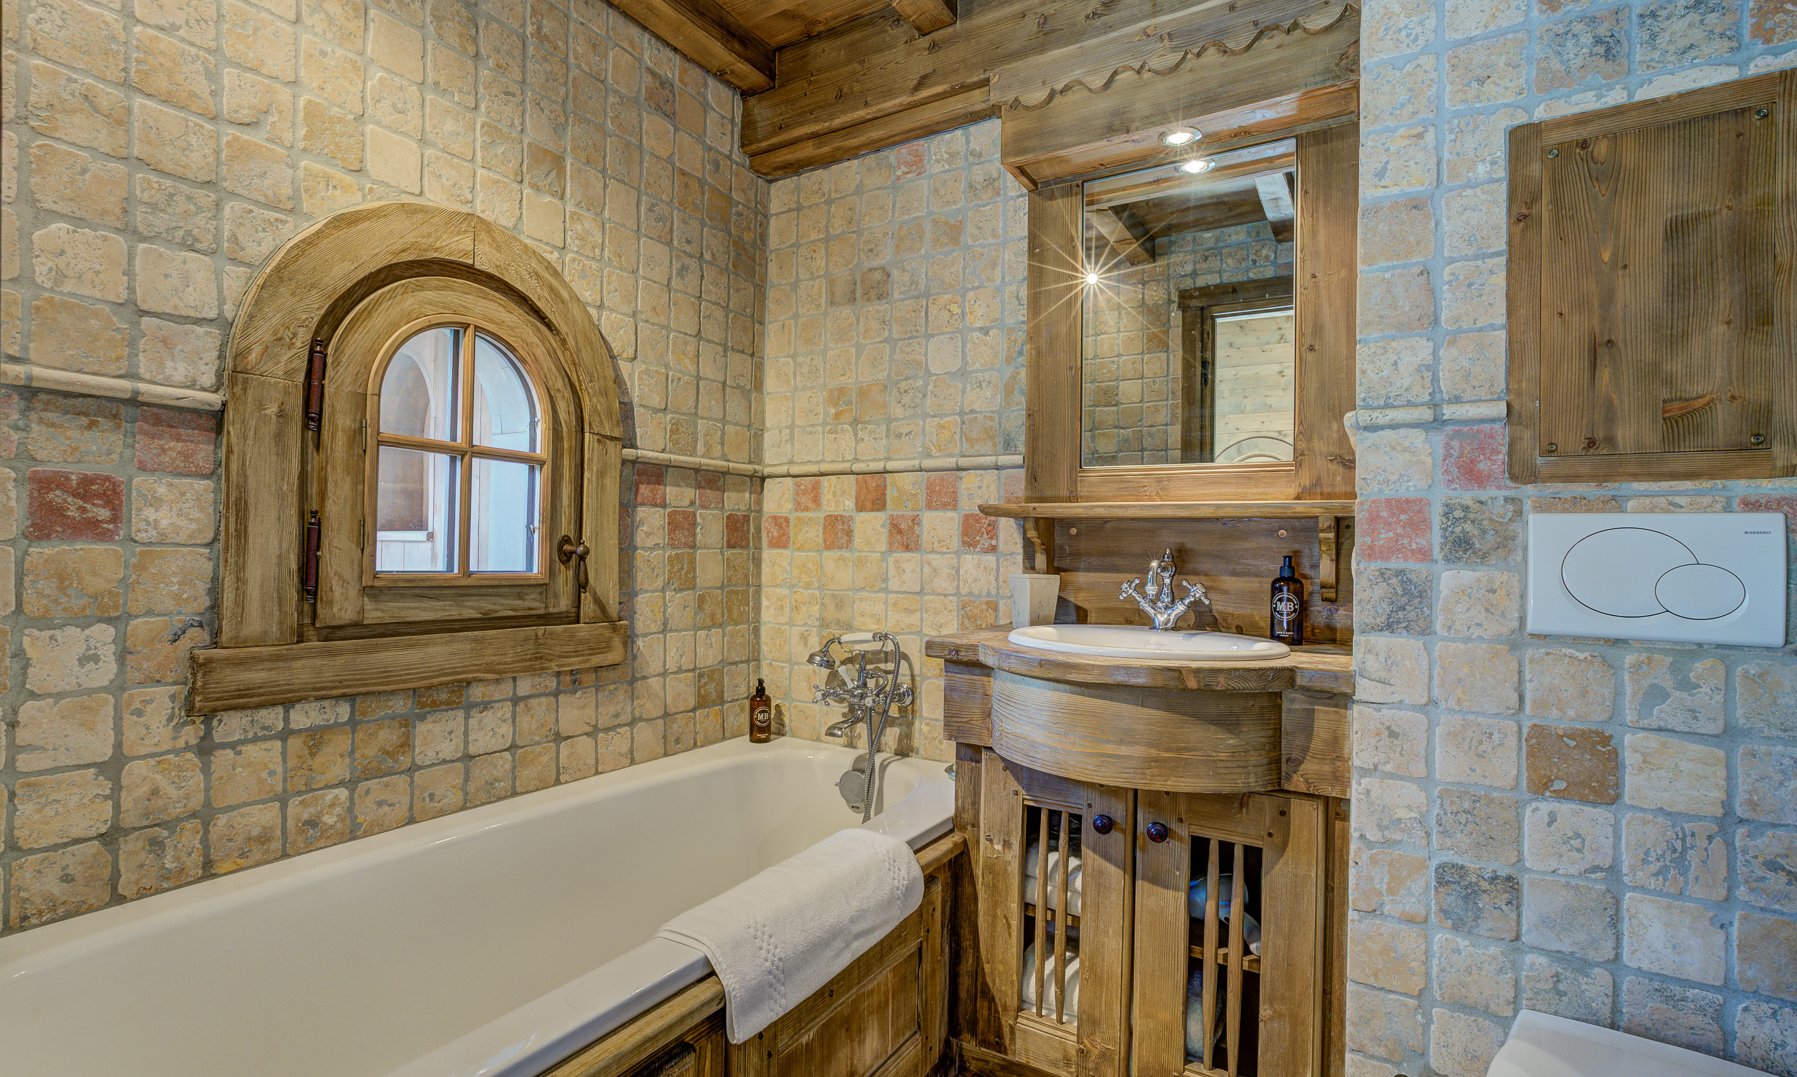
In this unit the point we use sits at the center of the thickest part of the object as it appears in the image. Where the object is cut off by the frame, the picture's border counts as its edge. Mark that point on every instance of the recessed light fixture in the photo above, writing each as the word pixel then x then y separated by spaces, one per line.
pixel 1092 277
pixel 1195 165
pixel 1181 136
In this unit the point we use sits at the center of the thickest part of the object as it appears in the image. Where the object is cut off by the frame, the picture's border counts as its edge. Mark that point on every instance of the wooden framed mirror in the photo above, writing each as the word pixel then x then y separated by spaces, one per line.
pixel 1192 312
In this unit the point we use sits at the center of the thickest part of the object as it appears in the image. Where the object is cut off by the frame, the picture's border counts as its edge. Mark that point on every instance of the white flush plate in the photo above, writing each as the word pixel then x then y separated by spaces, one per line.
pixel 1696 577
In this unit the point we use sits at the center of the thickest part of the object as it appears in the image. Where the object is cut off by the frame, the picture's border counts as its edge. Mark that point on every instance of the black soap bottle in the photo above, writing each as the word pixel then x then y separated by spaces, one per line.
pixel 1288 606
pixel 761 715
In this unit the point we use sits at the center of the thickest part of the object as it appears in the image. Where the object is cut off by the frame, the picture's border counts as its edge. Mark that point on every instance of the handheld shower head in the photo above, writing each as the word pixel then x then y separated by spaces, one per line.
pixel 821 658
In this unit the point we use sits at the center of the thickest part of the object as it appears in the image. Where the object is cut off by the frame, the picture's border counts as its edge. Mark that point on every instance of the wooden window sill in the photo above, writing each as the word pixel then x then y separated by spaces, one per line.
pixel 232 678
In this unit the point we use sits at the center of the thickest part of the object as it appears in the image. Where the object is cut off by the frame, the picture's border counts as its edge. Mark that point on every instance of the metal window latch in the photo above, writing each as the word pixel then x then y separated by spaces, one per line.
pixel 567 550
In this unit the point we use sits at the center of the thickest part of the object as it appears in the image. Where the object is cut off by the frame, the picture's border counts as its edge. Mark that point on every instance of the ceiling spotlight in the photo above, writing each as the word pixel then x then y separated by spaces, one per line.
pixel 1181 136
pixel 1092 277
pixel 1195 165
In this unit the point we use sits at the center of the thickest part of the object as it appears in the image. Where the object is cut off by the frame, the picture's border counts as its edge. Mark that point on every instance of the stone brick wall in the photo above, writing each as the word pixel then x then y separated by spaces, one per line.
pixel 895 320
pixel 153 156
pixel 1597 829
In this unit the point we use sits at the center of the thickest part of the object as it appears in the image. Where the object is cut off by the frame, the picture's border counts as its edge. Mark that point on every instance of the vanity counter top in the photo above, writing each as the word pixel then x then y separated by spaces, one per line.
pixel 1322 668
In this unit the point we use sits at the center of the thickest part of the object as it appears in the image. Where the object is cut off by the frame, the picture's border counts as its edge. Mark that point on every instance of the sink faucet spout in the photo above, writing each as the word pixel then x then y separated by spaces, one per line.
pixel 1163 610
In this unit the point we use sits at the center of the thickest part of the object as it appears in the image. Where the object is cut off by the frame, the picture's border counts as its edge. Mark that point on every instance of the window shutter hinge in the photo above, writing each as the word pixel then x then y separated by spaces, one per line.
pixel 362 535
pixel 309 561
pixel 315 385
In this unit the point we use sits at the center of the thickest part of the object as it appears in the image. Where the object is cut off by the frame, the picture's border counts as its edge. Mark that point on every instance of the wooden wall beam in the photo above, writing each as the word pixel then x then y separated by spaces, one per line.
pixel 926 16
pixel 878 66
pixel 706 34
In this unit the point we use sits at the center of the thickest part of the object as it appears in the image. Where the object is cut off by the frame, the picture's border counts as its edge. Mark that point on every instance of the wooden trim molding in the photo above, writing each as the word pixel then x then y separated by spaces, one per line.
pixel 879 80
pixel 230 678
pixel 304 293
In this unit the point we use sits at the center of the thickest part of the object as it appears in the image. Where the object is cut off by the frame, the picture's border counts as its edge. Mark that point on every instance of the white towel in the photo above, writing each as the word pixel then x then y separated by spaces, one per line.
pixel 1028 995
pixel 777 938
pixel 1075 880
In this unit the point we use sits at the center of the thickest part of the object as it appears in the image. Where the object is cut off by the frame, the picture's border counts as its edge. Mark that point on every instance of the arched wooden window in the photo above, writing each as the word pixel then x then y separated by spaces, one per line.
pixel 421 467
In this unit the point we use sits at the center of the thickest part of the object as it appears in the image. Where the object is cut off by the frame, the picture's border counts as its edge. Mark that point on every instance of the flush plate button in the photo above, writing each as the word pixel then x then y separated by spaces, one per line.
pixel 1691 577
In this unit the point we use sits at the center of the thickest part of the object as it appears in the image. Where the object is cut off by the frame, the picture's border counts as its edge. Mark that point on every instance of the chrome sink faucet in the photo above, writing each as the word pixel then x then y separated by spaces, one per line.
pixel 1159 603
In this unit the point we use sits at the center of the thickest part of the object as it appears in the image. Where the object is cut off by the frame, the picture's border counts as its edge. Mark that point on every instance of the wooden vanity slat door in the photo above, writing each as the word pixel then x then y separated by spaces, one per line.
pixel 1259 1015
pixel 1038 1022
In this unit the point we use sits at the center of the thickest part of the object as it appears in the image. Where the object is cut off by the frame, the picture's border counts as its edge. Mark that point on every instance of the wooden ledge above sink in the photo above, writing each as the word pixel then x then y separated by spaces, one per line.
pixel 1168 510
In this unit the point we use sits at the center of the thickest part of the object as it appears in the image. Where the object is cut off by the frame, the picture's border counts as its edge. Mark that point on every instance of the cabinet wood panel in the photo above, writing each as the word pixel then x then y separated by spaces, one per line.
pixel 1651 294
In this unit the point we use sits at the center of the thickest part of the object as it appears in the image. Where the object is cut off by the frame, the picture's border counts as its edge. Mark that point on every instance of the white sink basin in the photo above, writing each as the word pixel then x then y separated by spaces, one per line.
pixel 1139 641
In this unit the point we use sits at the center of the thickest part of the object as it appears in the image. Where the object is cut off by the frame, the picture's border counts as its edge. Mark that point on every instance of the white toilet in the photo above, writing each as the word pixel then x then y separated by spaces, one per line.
pixel 1542 1045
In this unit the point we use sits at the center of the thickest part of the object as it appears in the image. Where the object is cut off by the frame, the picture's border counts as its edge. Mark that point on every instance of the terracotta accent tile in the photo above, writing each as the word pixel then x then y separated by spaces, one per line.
pixel 911 160
pixel 903 532
pixel 979 532
pixel 736 530
pixel 683 527
pixel 776 532
pixel 807 494
pixel 711 490
pixel 1571 763
pixel 1395 529
pixel 650 488
pixel 942 490
pixel 1472 458
pixel 870 493
pixel 183 442
pixel 1772 502
pixel 73 505
pixel 839 531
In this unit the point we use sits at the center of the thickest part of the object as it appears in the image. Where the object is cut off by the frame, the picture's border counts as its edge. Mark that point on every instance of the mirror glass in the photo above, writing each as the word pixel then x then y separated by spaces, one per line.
pixel 1189 354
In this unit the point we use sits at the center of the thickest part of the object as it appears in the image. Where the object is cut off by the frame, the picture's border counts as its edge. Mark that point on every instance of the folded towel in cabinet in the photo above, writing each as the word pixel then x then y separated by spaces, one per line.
pixel 1031 885
pixel 1048 979
pixel 1225 892
pixel 778 937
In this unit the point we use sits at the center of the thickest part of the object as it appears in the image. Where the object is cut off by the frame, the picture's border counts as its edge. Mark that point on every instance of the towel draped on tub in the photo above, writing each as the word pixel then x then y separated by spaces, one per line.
pixel 778 937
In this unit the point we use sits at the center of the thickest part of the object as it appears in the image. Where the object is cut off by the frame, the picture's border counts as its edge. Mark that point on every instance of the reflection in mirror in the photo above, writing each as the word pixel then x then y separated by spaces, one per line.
pixel 1189 353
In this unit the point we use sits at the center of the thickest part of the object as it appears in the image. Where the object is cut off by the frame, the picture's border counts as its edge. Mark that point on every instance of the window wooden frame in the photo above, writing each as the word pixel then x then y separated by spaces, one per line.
pixel 353 600
pixel 270 651
pixel 465 449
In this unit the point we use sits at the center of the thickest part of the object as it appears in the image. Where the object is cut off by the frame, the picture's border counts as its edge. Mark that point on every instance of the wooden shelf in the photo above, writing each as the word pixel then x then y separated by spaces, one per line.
pixel 1168 510
pixel 1250 961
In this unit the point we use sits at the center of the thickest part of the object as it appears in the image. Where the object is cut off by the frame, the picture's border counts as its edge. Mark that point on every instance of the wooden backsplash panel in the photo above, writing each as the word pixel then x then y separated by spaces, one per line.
pixel 1235 560
pixel 1651 289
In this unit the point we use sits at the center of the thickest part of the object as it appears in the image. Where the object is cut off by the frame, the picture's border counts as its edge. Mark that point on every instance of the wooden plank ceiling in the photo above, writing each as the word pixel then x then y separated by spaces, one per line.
pixel 825 80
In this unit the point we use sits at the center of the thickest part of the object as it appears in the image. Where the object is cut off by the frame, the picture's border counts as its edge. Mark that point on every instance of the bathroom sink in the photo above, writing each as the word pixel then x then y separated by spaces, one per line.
pixel 1139 641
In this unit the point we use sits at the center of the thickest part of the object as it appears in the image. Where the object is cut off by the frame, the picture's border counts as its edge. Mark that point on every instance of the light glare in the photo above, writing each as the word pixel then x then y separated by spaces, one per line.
pixel 1196 165
pixel 1183 136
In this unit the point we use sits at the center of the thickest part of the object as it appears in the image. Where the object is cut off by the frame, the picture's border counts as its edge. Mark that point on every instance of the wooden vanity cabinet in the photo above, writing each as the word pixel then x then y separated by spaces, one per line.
pixel 1156 956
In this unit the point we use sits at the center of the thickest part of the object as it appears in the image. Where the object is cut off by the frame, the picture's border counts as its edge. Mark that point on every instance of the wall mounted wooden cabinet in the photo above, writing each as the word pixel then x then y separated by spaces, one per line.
pixel 1653 309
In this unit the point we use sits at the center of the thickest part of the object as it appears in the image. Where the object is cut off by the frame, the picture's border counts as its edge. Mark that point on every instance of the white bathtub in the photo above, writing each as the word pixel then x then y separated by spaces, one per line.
pixel 496 941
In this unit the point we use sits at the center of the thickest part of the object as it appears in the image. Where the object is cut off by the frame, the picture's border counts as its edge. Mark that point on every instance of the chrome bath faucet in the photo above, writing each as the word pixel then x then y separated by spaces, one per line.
pixel 1159 603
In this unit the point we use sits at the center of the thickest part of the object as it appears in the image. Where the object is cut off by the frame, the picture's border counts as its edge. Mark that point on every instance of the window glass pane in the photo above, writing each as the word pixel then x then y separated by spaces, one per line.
pixel 504 525
pixel 419 388
pixel 415 511
pixel 505 407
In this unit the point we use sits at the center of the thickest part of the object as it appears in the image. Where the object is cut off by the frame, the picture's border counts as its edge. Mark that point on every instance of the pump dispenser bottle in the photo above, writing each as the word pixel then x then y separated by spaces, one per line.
pixel 1287 613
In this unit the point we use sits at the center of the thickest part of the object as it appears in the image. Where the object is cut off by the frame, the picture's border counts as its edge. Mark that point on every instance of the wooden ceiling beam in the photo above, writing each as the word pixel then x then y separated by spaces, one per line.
pixel 926 16
pixel 1280 205
pixel 1126 235
pixel 878 66
pixel 706 34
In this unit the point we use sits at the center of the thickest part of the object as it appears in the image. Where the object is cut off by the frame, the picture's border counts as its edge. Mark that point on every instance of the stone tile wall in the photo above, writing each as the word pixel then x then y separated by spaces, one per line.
pixel 1597 829
pixel 153 155
pixel 895 321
